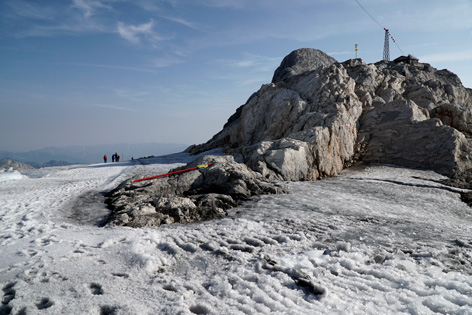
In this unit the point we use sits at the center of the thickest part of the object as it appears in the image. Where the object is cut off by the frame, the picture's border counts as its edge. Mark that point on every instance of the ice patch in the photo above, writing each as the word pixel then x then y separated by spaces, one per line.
pixel 10 174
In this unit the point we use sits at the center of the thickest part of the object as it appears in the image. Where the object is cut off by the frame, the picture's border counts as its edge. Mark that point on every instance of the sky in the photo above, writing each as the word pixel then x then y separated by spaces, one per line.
pixel 88 72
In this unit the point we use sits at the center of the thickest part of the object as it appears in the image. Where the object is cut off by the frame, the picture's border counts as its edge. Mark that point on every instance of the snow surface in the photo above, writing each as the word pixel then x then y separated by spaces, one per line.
pixel 9 174
pixel 377 240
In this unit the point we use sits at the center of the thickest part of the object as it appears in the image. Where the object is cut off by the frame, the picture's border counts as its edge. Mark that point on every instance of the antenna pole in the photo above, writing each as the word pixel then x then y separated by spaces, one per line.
pixel 386 55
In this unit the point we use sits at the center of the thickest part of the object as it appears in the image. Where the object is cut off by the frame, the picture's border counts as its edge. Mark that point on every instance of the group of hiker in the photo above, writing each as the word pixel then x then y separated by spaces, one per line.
pixel 114 158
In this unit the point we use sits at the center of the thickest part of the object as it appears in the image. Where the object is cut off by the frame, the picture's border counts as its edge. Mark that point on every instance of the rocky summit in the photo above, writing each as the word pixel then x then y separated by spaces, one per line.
pixel 310 124
pixel 315 118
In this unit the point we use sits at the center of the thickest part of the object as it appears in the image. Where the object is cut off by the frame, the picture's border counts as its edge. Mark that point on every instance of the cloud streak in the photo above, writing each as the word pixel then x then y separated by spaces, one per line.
pixel 23 9
pixel 133 33
pixel 88 6
pixel 165 61
pixel 34 20
pixel 184 22
pixel 256 62
pixel 236 4
pixel 136 69
pixel 448 56
pixel 114 107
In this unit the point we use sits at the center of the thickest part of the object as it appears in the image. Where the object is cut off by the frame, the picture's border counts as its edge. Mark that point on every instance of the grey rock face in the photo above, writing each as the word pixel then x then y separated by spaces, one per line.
pixel 462 180
pixel 197 195
pixel 314 122
pixel 316 117
pixel 414 116
pixel 299 61
pixel 18 166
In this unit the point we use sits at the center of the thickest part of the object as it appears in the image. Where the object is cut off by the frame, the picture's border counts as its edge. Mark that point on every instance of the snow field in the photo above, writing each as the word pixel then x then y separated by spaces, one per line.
pixel 382 240
pixel 9 174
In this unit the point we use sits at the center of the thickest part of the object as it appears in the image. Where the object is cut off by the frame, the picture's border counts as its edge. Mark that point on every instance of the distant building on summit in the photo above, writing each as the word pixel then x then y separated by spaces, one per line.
pixel 407 59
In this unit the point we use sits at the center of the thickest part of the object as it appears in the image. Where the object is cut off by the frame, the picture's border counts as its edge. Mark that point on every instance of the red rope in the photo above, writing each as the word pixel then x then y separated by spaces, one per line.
pixel 176 172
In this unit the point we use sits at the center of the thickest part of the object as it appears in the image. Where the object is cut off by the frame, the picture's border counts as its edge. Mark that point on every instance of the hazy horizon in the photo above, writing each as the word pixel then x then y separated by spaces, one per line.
pixel 93 153
pixel 92 145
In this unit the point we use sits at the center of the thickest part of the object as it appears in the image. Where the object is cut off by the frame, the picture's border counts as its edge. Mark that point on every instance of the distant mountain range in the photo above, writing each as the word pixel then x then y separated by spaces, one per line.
pixel 59 156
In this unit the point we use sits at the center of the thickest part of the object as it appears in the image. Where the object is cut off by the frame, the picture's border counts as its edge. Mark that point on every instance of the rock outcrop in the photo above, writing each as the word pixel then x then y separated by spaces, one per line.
pixel 197 195
pixel 311 124
pixel 315 118
pixel 18 166
pixel 299 61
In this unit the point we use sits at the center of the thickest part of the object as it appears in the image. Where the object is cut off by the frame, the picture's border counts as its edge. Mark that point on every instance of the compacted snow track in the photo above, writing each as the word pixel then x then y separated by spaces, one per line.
pixel 378 240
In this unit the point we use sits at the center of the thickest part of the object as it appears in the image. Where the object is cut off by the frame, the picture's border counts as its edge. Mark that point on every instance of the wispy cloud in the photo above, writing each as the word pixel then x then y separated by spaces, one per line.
pixel 135 96
pixel 117 67
pixel 165 61
pixel 253 81
pixel 133 33
pixel 153 5
pixel 184 22
pixel 114 107
pixel 89 6
pixel 20 8
pixel 257 62
pixel 341 53
pixel 60 29
pixel 37 20
pixel 448 56
pixel 238 4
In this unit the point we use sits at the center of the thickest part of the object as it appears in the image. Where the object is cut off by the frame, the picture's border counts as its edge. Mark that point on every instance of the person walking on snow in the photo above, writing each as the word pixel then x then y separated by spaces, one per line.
pixel 105 158
pixel 113 158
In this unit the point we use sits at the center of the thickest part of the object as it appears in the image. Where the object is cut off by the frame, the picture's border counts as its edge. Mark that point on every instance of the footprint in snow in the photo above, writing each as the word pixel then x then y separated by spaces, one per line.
pixel 96 289
pixel 108 310
pixel 9 293
pixel 44 303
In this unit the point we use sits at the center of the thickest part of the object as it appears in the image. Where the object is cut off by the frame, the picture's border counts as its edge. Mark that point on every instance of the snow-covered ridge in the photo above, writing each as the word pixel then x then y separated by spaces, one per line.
pixel 382 240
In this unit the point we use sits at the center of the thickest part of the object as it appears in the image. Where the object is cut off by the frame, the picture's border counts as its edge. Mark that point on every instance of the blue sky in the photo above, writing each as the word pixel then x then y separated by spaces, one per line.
pixel 85 72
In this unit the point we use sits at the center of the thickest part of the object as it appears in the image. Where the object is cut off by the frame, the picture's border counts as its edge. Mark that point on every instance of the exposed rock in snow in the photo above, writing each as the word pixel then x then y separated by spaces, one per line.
pixel 462 180
pixel 14 165
pixel 196 195
pixel 315 118
pixel 319 116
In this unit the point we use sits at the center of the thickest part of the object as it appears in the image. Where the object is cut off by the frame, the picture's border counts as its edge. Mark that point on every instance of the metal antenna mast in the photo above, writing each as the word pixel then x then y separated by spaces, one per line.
pixel 386 55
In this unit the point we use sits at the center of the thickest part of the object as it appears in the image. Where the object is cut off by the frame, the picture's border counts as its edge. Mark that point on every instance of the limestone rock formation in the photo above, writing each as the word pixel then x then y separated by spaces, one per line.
pixel 301 60
pixel 315 118
pixel 311 123
pixel 197 195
